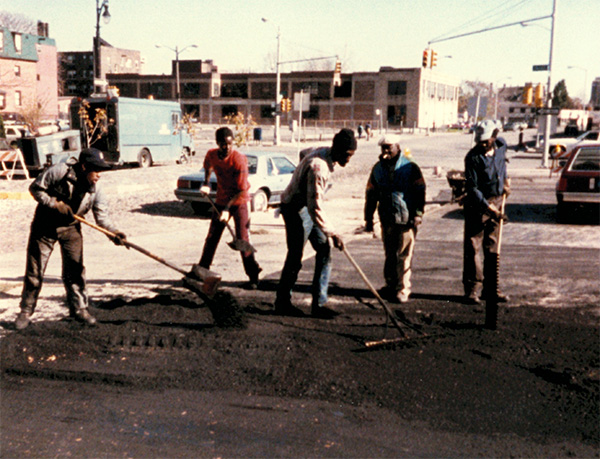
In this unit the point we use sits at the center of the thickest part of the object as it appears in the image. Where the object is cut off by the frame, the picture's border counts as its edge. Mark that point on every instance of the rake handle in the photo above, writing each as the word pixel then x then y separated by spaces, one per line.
pixel 129 244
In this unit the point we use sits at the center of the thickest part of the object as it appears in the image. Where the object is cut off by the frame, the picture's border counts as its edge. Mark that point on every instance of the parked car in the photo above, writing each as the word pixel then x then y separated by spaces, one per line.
pixel 514 125
pixel 269 175
pixel 579 182
pixel 14 132
pixel 569 143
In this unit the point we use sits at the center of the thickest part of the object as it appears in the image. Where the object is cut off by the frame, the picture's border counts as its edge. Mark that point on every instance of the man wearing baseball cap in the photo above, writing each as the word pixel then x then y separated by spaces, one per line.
pixel 486 182
pixel 396 188
pixel 64 190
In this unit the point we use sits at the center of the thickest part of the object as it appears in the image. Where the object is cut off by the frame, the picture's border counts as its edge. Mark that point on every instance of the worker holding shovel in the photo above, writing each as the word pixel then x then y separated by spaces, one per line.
pixel 486 186
pixel 62 191
pixel 232 200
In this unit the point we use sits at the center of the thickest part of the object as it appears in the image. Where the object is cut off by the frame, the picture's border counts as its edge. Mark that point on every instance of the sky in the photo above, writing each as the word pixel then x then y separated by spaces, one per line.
pixel 366 35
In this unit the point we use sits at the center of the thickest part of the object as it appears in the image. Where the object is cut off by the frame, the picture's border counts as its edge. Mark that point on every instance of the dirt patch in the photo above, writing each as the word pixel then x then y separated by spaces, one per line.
pixel 537 377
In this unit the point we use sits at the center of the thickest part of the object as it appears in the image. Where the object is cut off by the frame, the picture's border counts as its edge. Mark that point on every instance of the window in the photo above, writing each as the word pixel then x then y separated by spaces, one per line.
pixel 284 165
pixel 17 70
pixel 235 90
pixel 18 98
pixel 263 90
pixel 18 42
pixel 267 111
pixel 2 101
pixel 396 88
pixel 228 110
pixel 344 90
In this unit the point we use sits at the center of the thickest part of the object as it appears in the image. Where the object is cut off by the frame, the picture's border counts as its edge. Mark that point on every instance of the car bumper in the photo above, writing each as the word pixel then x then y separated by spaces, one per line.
pixel 587 198
pixel 194 196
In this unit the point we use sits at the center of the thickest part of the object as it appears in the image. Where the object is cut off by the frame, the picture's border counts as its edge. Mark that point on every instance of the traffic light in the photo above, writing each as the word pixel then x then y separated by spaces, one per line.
pixel 425 58
pixel 539 95
pixel 337 74
pixel 433 59
pixel 283 105
pixel 288 105
pixel 527 94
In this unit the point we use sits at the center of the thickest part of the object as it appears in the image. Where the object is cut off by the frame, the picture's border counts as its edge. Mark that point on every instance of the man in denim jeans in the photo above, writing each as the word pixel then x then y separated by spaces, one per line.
pixel 302 211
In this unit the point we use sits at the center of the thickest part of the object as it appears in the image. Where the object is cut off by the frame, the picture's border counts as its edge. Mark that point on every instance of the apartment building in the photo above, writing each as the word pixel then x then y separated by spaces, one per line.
pixel 28 73
pixel 410 97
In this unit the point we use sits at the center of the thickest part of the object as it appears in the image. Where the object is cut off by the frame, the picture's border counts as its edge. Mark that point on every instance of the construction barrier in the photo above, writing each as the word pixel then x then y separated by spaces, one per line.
pixel 10 159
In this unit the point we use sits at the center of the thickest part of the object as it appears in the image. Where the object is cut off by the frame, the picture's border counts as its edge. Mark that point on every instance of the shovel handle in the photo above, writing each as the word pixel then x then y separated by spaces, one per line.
pixel 129 244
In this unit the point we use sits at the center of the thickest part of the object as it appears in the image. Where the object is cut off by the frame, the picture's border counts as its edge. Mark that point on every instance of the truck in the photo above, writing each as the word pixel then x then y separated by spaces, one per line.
pixel 129 130
pixel 43 151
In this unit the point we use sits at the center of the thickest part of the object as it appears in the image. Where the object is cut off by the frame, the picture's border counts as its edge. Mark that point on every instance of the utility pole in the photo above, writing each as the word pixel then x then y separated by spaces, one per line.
pixel 549 90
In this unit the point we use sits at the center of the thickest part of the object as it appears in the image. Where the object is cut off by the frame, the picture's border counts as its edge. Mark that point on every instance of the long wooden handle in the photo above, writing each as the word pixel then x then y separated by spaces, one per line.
pixel 386 308
pixel 502 206
pixel 130 244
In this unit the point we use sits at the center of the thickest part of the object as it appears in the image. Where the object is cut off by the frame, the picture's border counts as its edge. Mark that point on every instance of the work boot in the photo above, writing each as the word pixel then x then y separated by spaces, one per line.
pixel 322 312
pixel 499 297
pixel 23 320
pixel 472 298
pixel 286 308
pixel 83 316
pixel 252 284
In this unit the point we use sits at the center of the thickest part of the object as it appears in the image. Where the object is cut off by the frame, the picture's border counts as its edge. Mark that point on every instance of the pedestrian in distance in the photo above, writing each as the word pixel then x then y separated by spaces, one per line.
pixel 64 190
pixel 368 131
pixel 359 131
pixel 486 181
pixel 396 188
pixel 305 219
pixel 232 201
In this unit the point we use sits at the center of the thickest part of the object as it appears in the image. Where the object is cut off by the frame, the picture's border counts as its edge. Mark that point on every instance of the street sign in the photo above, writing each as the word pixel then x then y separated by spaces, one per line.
pixel 537 68
pixel 548 111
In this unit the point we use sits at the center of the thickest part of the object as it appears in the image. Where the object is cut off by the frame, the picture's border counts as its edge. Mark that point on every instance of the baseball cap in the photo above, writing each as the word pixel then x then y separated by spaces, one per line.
pixel 94 159
pixel 389 139
pixel 485 130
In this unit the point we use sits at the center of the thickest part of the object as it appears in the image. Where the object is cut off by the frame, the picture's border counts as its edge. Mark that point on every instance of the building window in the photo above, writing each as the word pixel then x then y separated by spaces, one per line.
pixel 263 90
pixel 343 91
pixel 17 70
pixel 396 114
pixel 239 90
pixel 396 88
pixel 216 90
pixel 266 111
pixel 511 109
pixel 2 101
pixel 318 90
pixel 229 110
pixel 18 98
pixel 312 113
pixel 18 43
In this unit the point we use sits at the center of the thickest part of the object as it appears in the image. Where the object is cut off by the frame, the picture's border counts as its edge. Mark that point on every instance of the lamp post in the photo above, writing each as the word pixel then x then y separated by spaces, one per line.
pixel 177 52
pixel 277 88
pixel 101 11
pixel 585 101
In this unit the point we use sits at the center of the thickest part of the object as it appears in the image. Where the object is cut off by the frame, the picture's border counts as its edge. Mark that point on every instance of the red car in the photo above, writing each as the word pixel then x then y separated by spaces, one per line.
pixel 579 183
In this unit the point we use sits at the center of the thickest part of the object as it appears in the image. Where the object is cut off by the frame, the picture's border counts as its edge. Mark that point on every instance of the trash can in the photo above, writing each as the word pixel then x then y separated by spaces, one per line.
pixel 258 134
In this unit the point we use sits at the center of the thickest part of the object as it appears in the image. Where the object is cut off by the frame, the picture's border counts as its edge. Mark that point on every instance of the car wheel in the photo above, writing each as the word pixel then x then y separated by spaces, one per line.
pixel 260 201
pixel 145 158
pixel 200 208
pixel 563 212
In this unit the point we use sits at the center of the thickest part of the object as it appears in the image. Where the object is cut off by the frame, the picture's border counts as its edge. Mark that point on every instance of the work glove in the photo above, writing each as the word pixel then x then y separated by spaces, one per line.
pixel 337 242
pixel 119 238
pixel 369 226
pixel 493 212
pixel 64 208
pixel 205 190
pixel 224 216
pixel 417 221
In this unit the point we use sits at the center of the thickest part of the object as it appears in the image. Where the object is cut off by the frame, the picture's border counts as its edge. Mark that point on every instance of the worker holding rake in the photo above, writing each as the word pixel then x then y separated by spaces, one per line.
pixel 486 186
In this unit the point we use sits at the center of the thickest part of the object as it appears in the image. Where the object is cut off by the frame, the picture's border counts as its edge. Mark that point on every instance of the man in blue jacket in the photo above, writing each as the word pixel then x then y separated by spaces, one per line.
pixel 486 182
pixel 396 188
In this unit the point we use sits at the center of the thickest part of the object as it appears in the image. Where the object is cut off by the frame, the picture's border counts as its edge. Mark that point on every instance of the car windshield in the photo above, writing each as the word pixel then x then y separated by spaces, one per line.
pixel 587 159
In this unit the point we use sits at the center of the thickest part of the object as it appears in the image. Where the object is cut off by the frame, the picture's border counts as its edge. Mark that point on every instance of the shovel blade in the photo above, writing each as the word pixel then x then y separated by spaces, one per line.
pixel 241 246
pixel 203 280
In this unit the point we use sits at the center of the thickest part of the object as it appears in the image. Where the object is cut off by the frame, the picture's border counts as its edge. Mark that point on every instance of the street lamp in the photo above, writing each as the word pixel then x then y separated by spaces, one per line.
pixel 277 88
pixel 101 11
pixel 177 52
pixel 585 101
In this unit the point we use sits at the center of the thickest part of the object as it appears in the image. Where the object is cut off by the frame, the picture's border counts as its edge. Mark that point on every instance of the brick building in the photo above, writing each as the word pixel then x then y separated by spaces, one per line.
pixel 411 97
pixel 77 67
pixel 28 72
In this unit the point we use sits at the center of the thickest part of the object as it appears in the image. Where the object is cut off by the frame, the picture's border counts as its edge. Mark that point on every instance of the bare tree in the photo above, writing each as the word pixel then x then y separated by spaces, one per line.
pixel 16 22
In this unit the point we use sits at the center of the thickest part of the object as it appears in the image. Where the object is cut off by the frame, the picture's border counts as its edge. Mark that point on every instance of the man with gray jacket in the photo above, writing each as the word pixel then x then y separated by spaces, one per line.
pixel 64 190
